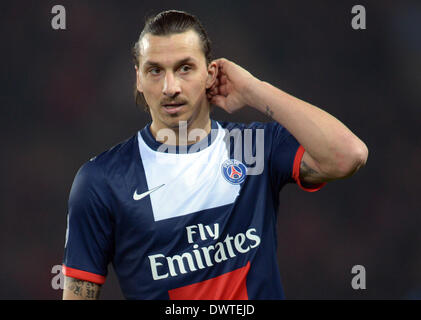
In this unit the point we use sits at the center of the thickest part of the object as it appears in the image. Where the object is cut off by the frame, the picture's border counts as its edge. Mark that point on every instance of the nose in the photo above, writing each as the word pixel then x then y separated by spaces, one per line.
pixel 171 86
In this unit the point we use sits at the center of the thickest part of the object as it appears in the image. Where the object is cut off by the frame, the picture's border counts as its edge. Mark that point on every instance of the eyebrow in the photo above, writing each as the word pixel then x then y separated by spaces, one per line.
pixel 148 63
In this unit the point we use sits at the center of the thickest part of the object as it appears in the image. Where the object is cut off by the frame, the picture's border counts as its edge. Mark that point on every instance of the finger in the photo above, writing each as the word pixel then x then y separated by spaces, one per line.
pixel 214 85
pixel 223 90
pixel 217 81
pixel 211 93
pixel 219 101
pixel 221 62
pixel 215 91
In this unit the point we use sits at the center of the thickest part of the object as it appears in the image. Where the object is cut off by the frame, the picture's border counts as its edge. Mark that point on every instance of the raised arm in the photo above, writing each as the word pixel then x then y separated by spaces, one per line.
pixel 332 151
pixel 75 289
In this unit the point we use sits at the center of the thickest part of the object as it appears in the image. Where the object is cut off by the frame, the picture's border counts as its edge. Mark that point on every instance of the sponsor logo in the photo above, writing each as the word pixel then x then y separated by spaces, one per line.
pixel 201 257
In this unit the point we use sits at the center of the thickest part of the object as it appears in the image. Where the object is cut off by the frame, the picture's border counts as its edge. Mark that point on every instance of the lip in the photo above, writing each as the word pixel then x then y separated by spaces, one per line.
pixel 173 109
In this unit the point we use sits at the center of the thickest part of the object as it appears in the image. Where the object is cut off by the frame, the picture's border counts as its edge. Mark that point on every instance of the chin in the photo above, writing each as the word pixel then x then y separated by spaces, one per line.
pixel 189 115
pixel 174 120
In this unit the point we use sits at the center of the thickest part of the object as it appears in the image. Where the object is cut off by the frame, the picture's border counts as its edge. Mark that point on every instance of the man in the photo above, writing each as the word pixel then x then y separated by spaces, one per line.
pixel 195 217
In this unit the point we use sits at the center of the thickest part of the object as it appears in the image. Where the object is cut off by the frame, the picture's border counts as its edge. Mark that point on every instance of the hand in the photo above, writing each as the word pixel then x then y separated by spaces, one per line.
pixel 231 88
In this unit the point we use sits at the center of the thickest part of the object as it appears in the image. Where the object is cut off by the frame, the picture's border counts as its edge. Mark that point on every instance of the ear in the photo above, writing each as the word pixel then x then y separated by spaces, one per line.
pixel 138 82
pixel 212 74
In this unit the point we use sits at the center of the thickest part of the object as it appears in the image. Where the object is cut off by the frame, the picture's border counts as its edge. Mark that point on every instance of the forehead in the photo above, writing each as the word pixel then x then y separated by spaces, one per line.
pixel 167 49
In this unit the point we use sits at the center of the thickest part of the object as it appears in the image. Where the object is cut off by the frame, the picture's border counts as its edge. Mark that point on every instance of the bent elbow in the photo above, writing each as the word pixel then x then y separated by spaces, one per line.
pixel 363 154
pixel 358 156
pixel 354 160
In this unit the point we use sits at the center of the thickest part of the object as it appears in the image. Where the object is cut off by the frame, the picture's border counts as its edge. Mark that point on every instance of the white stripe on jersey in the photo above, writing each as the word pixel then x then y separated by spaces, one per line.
pixel 193 181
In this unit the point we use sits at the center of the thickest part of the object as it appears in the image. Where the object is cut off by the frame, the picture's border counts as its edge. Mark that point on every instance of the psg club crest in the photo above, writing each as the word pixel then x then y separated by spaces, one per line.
pixel 234 171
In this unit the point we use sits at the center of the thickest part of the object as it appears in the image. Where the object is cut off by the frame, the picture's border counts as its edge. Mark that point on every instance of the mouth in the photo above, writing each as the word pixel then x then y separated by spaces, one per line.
pixel 173 107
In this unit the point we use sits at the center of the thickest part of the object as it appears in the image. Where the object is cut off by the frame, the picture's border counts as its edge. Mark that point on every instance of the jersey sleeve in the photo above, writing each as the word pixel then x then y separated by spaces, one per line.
pixel 285 158
pixel 89 233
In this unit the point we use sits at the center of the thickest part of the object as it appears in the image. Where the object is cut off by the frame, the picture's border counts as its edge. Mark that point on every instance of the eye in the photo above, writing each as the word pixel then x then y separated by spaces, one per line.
pixel 185 68
pixel 154 71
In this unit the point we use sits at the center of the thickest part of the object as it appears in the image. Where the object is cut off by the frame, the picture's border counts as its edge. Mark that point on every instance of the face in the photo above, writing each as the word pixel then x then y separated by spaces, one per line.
pixel 173 77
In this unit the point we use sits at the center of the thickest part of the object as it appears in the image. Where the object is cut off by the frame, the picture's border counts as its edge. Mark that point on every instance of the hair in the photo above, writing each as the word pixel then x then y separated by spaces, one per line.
pixel 167 23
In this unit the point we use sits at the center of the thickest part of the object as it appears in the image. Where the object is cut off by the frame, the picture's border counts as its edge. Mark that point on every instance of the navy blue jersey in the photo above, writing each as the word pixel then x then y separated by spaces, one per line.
pixel 195 222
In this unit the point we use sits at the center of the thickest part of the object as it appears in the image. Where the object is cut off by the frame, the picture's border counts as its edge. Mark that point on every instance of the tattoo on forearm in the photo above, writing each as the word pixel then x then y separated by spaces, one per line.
pixel 85 289
pixel 306 171
pixel 74 285
pixel 92 290
pixel 269 112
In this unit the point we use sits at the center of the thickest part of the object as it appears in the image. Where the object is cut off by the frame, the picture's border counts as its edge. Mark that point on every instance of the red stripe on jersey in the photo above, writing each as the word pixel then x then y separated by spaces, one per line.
pixel 83 275
pixel 229 286
pixel 296 172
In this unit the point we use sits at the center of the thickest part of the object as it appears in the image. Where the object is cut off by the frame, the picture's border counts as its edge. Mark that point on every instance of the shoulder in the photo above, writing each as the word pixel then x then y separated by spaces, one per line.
pixel 111 157
pixel 115 153
pixel 91 185
pixel 96 169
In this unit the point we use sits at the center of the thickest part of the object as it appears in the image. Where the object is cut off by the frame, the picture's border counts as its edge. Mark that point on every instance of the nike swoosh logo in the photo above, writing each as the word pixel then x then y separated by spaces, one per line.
pixel 137 196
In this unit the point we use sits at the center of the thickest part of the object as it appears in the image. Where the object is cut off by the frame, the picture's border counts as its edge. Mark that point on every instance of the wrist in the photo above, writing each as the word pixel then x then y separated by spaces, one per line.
pixel 254 94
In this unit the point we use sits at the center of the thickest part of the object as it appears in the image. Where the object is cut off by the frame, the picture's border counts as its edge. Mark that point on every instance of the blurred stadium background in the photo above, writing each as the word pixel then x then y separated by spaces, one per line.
pixel 67 96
